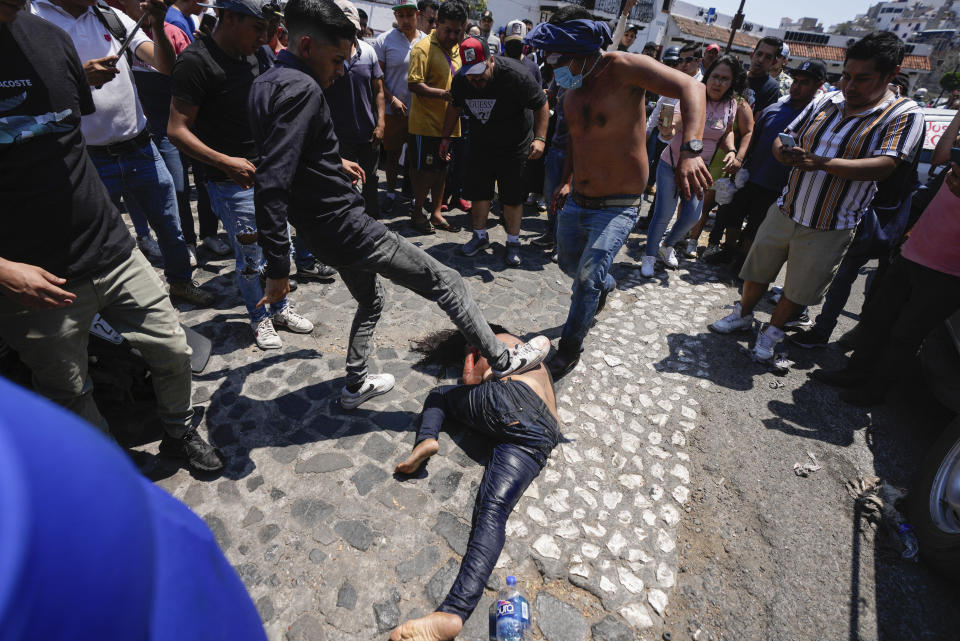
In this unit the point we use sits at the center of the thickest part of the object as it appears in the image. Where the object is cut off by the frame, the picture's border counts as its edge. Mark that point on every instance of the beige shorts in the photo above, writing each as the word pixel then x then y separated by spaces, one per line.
pixel 394 132
pixel 812 256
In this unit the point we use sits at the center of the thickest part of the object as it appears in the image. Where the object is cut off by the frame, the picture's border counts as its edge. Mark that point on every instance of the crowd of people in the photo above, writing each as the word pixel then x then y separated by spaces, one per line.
pixel 286 114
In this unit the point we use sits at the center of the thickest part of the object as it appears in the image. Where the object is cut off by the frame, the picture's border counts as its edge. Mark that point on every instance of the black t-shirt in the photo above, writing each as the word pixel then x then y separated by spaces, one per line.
pixel 501 116
pixel 56 212
pixel 761 92
pixel 219 84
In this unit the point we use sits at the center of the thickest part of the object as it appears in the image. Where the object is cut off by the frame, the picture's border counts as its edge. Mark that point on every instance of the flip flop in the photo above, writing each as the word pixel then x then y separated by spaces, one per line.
pixel 447 226
pixel 423 226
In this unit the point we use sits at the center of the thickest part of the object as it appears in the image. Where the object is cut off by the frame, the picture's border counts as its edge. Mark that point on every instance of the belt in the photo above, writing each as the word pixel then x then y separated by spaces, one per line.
pixel 603 202
pixel 124 146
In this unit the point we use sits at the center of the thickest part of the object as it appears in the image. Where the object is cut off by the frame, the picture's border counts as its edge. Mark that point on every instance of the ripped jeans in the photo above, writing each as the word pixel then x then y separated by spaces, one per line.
pixel 233 205
pixel 523 433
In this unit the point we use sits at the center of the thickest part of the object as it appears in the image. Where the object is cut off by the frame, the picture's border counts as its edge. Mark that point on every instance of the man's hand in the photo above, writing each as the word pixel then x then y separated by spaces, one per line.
pixel 802 159
pixel 100 71
pixel 354 170
pixel 692 176
pixel 275 291
pixel 559 198
pixel 444 149
pixel 377 135
pixel 32 286
pixel 239 170
pixel 536 149
pixel 157 10
pixel 953 179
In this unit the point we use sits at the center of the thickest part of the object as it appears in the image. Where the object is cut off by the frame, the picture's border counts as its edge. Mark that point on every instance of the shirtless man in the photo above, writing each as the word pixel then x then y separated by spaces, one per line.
pixel 605 110
pixel 519 415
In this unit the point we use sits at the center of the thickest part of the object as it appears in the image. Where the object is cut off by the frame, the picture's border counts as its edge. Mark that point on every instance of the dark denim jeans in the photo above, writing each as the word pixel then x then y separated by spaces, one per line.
pixel 142 179
pixel 524 432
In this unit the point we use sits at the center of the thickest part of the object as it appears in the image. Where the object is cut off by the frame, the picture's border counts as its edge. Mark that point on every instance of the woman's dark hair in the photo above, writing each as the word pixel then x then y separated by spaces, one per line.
pixel 446 347
pixel 568 13
pixel 318 18
pixel 737 71
pixel 452 10
pixel 883 47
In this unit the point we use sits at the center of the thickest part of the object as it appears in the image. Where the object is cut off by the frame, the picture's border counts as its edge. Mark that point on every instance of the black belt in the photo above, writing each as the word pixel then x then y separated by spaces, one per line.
pixel 604 201
pixel 124 146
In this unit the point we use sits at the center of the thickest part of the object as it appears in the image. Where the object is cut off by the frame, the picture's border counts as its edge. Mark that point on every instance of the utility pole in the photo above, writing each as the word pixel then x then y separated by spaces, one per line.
pixel 736 24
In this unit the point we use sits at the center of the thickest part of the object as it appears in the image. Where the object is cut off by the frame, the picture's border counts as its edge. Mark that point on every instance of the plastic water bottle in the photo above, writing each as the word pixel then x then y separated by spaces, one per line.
pixel 513 613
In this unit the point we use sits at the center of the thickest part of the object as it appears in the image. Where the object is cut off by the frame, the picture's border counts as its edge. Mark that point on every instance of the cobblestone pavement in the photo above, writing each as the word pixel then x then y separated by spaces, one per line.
pixel 332 546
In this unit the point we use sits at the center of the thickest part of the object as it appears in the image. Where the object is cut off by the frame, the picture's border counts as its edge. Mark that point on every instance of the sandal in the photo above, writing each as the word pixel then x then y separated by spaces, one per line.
pixel 447 226
pixel 424 226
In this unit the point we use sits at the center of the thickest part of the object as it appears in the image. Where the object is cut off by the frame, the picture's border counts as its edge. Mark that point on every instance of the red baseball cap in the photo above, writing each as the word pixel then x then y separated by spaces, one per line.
pixel 473 56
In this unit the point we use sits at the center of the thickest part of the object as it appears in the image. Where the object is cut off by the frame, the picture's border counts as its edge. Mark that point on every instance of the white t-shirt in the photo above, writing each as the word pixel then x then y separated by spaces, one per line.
pixel 119 115
pixel 393 50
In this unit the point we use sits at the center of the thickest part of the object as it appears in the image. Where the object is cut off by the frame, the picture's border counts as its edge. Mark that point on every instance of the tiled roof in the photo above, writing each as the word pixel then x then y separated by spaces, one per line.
pixel 836 54
pixel 720 35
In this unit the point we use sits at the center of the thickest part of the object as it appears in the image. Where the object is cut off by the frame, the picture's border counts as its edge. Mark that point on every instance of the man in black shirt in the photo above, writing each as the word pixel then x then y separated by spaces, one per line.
pixel 508 125
pixel 762 90
pixel 208 122
pixel 65 254
pixel 301 178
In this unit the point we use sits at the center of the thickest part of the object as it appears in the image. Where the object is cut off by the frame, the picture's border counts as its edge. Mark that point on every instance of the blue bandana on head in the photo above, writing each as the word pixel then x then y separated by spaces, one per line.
pixel 576 37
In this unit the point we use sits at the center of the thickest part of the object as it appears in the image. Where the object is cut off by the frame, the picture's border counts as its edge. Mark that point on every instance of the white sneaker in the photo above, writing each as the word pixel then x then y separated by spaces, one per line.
pixel 767 340
pixel 733 322
pixel 216 245
pixel 669 257
pixel 525 356
pixel 266 335
pixel 292 321
pixel 691 249
pixel 647 264
pixel 149 247
pixel 192 250
pixel 373 385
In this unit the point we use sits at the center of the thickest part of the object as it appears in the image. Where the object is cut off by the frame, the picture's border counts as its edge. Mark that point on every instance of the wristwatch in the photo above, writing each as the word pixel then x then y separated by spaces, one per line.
pixel 693 146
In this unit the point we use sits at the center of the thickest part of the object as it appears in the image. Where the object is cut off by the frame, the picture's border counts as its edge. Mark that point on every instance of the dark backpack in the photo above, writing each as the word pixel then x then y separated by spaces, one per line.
pixel 108 17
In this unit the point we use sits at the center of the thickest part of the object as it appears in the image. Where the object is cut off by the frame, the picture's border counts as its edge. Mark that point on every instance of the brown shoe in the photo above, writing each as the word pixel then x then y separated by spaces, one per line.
pixel 189 290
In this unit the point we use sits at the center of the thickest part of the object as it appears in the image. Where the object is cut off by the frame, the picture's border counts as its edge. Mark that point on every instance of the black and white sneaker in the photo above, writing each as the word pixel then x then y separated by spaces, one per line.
pixel 373 385
pixel 525 356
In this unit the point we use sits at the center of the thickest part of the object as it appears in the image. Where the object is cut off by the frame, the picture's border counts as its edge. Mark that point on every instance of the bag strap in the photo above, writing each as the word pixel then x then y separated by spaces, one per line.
pixel 108 17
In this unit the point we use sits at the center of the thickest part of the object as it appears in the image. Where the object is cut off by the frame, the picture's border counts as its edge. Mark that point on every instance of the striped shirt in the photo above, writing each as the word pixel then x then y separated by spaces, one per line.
pixel 820 200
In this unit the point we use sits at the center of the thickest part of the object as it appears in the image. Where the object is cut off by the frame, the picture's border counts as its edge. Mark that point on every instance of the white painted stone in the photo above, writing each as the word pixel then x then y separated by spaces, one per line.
pixel 637 615
pixel 590 550
pixel 537 515
pixel 547 547
pixel 658 600
pixel 680 494
pixel 616 543
pixel 665 542
pixel 607 585
pixel 665 576
pixel 631 481
pixel 612 499
pixel 681 473
pixel 632 582
pixel 557 500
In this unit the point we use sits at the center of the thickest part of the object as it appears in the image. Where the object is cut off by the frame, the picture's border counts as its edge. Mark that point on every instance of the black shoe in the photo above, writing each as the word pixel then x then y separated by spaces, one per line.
pixel 263 283
pixel 839 378
pixel 864 395
pixel 191 447
pixel 603 297
pixel 316 271
pixel 809 338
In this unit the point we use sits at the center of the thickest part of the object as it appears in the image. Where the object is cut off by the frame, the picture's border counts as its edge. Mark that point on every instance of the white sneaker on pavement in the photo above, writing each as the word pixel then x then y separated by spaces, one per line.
pixel 149 246
pixel 266 335
pixel 767 340
pixel 647 263
pixel 733 322
pixel 669 257
pixel 293 321
pixel 216 245
pixel 373 385
pixel 525 356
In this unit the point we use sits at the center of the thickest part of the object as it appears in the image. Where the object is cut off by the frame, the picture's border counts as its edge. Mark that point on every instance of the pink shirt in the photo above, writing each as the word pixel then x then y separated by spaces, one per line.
pixel 935 239
pixel 719 116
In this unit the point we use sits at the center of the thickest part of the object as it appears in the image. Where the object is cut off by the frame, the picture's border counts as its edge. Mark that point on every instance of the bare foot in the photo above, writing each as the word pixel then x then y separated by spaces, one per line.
pixel 424 450
pixel 437 626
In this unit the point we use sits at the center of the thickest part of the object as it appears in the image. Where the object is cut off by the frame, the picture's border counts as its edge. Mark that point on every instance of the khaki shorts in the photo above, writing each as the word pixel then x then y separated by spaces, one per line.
pixel 394 132
pixel 812 256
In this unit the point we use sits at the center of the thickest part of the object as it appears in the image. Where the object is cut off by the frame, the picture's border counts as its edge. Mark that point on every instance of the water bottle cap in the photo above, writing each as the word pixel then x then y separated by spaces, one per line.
pixel 511 580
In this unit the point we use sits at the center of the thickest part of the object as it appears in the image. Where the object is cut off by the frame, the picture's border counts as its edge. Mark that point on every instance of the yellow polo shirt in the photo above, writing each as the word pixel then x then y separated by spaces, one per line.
pixel 431 65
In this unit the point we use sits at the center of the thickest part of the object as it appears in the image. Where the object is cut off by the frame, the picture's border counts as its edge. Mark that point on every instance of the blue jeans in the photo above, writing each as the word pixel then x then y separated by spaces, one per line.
pixel 667 196
pixel 142 179
pixel 552 172
pixel 523 433
pixel 587 242
pixel 233 205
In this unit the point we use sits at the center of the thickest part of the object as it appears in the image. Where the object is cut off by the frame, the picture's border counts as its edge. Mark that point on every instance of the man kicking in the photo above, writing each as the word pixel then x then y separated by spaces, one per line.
pixel 604 107
pixel 301 178
pixel 519 416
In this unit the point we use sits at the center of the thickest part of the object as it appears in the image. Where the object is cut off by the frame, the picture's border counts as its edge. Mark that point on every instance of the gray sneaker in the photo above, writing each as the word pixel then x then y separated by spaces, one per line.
pixel 475 245
pixel 513 255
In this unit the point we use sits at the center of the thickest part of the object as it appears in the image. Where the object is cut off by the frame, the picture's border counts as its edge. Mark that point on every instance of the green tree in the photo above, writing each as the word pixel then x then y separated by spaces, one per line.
pixel 950 81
